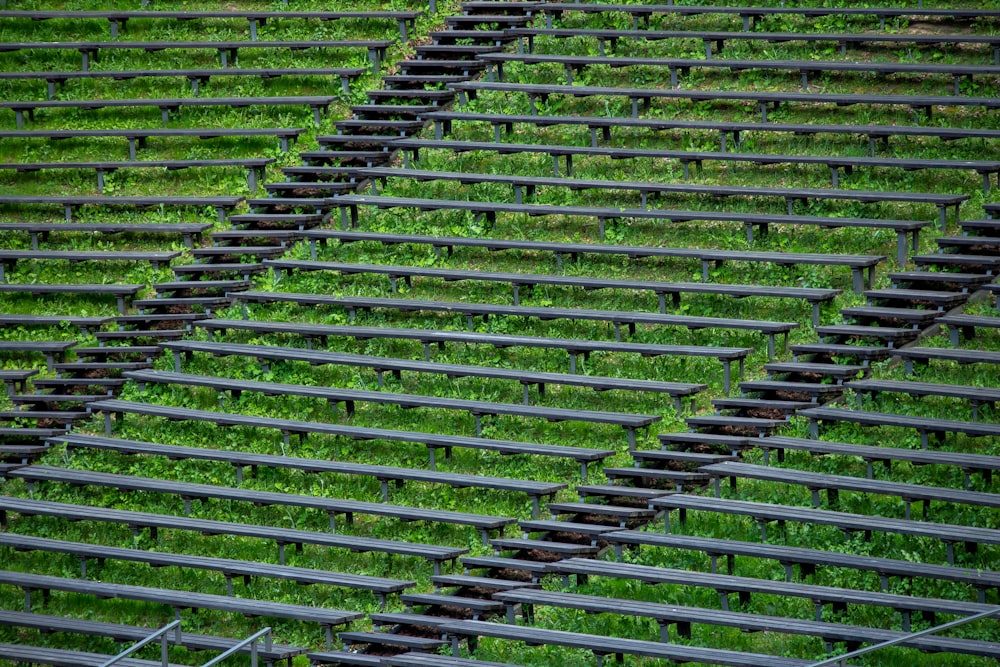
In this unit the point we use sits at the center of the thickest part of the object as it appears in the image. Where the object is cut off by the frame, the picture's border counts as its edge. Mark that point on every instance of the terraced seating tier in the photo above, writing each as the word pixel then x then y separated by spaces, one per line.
pixel 725 584
pixel 71 203
pixel 985 168
pixel 870 454
pixel 603 646
pixel 925 426
pixel 760 221
pixel 575 64
pixel 628 421
pixel 432 441
pixel 267 353
pixel 833 484
pixel 317 103
pixel 526 186
pixel 684 617
pixel 228 50
pixel 190 231
pixel 118 19
pixel 384 474
pixel 806 559
pixel 435 554
pixel 815 297
pixel 131 634
pixel 764 100
pixel 527 38
pixel 332 506
pixel 750 14
pixel 179 600
pixel 379 586
pixel 614 317
pixel 574 347
pixel 763 513
pixel 9 258
pixel 254 166
pixel 122 294
pixel 197 77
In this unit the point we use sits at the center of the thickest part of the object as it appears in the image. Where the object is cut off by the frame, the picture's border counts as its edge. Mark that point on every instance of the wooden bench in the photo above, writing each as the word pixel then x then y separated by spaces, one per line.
pixel 603 646
pixel 9 258
pixel 436 554
pixel 131 634
pixel 815 297
pixel 526 186
pixel 985 168
pixel 317 103
pixel 123 294
pixel 71 203
pixel 760 221
pixel 611 37
pixel 833 484
pixel 332 506
pixel 59 657
pixel 349 397
pixel 196 77
pixel 858 264
pixel 615 317
pixel 976 396
pixel 969 463
pixel 913 356
pixel 228 50
pixel 178 600
pixel 52 349
pixel 574 64
pixel 84 323
pixel 384 474
pixel 763 99
pixel 745 587
pixel 118 19
pixel 764 513
pixel 683 618
pixel 925 426
pixel 267 353
pixel 807 559
pixel 254 167
pixel 190 231
pixel 230 569
pixel 750 15
pixel 962 325
pixel 433 441
pixel 574 347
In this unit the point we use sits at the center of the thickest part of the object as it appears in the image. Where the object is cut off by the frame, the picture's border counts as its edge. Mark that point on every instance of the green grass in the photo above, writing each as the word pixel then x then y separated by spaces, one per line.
pixel 552 228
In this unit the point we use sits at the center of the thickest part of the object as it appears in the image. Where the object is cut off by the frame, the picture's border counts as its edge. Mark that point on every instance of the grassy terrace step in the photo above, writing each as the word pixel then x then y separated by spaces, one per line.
pixel 349 397
pixel 814 296
pixel 617 318
pixel 683 617
pixel 381 365
pixel 66 658
pixel 131 633
pixel 925 426
pixel 724 584
pixel 240 460
pixel 603 645
pixel 350 203
pixel 808 560
pixel 971 536
pixel 324 616
pixel 230 568
pixel 435 554
pixel 331 505
pixel 573 346
pixel 432 441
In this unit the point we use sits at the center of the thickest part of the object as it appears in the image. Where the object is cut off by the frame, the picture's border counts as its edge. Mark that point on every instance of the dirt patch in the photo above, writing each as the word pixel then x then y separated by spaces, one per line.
pixel 539 556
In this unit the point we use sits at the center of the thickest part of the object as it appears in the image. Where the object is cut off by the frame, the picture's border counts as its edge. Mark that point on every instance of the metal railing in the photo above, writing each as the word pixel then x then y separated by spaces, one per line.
pixel 160 634
pixel 252 641
pixel 841 660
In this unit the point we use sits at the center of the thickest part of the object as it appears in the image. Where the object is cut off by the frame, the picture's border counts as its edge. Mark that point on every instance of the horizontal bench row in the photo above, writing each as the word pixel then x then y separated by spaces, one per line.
pixel 118 19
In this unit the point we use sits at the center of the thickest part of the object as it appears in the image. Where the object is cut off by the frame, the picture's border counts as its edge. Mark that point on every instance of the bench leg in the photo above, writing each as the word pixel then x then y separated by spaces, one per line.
pixel 901 248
